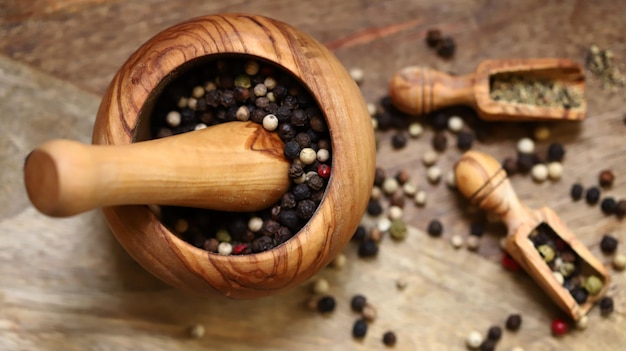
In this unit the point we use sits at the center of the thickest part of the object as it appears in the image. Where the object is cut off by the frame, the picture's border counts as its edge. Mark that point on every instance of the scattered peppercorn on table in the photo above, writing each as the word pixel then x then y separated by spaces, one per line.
pixel 67 284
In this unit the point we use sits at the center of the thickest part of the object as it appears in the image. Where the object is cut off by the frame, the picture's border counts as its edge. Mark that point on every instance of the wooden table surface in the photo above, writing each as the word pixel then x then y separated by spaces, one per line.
pixel 66 284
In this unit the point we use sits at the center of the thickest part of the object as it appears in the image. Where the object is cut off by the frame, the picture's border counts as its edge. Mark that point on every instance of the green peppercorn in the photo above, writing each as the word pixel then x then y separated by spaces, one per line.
pixel 243 81
pixel 593 284
pixel 567 268
pixel 398 229
pixel 222 235
pixel 546 252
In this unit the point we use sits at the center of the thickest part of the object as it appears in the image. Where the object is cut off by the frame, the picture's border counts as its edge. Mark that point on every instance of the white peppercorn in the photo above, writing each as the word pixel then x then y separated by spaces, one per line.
pixel 173 118
pixel 415 129
pixel 390 185
pixel 555 170
pixel 301 179
pixel 270 122
pixel 420 198
pixel 210 86
pixel 339 261
pixel 559 277
pixel 243 113
pixel 376 193
pixel 455 124
pixel 395 212
pixel 270 97
pixel 182 102
pixel 270 83
pixel 224 248
pixel 541 133
pixel 369 312
pixel 539 172
pixel 430 157
pixel 197 92
pixel 251 67
pixel 308 156
pixel 323 155
pixel 582 323
pixel 371 109
pixel 450 179
pixel 255 224
pixel 310 174
pixel 357 75
pixel 409 188
pixel 526 146
pixel 433 174
pixel 197 331
pixel 384 224
pixel 321 286
pixel 456 241
pixel 473 340
pixel 199 126
pixel 473 242
pixel 619 262
pixel 260 90
pixel 192 103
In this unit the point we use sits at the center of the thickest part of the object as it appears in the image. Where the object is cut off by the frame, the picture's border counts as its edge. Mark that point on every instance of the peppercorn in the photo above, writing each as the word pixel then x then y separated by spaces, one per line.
pixel 433 37
pixel 379 177
pixel 440 142
pixel 262 243
pixel 389 338
pixel 620 208
pixel 619 262
pixel 446 47
pixel 477 229
pixel 606 178
pixel 224 248
pixel 487 345
pixel 359 233
pixel 368 248
pixel 359 329
pixel 608 205
pixel 326 304
pixel 576 192
pixel 559 327
pixel 301 192
pixel 308 156
pixel 357 302
pixel 369 312
pixel 374 208
pixel 526 146
pixel 555 152
pixel 473 340
pixel 546 252
pixel 606 306
pixel 286 131
pixel 289 219
pixel 398 229
pixel 593 195
pixel 464 140
pixel 513 322
pixel 211 245
pixel 579 294
pixel 494 333
pixel 292 150
pixel 435 228
pixel 510 166
pixel 525 162
pixel 399 140
pixel 305 209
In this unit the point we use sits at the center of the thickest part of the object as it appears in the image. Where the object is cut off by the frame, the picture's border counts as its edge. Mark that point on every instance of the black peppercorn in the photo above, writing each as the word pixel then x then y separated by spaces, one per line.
pixel 318 124
pixel 608 244
pixel 510 166
pixel 446 47
pixel 608 205
pixel 525 162
pixel 358 302
pixel 606 306
pixel 435 228
pixel 359 329
pixel 295 170
pixel 379 176
pixel 262 243
pixel 286 132
pixel 305 209
pixel 579 294
pixel 593 195
pixel 487 345
pixel 270 227
pixel 283 234
pixel 576 192
pixel 399 140
pixel 440 142
pixel 513 322
pixel 315 182
pixel 439 121
pixel 494 333
pixel 289 219
pixel 292 150
pixel 389 338
pixel 326 304
pixel 464 140
pixel 359 234
pixel 301 192
pixel 606 178
pixel 433 37
pixel 555 152
pixel 367 248
pixel 288 201
pixel 477 229
pixel 374 208
pixel 620 208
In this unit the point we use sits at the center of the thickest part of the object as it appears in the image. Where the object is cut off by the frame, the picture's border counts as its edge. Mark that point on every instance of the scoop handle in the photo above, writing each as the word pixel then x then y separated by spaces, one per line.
pixel 419 90
pixel 236 166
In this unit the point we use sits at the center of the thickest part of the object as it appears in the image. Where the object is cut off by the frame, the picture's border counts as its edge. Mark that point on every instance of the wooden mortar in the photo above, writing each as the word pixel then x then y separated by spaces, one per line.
pixel 122 119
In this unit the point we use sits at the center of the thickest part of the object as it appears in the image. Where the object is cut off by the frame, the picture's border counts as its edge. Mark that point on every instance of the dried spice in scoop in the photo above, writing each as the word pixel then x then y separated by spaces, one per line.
pixel 524 89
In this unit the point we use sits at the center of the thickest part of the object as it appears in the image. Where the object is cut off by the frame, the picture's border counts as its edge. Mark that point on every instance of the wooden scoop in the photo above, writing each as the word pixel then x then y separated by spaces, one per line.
pixel 236 166
pixel 483 181
pixel 420 90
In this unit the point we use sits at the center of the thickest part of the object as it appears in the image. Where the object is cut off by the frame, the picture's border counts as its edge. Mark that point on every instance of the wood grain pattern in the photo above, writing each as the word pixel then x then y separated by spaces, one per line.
pixel 127 101
pixel 68 285
pixel 421 90
pixel 482 180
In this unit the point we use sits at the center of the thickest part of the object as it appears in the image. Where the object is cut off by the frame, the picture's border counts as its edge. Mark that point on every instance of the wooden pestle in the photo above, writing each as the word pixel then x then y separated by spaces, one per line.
pixel 484 182
pixel 236 166
pixel 420 90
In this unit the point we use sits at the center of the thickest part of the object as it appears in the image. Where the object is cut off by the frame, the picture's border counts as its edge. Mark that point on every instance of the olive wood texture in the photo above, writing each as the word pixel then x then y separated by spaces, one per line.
pixel 128 100
pixel 484 182
pixel 420 90
pixel 235 166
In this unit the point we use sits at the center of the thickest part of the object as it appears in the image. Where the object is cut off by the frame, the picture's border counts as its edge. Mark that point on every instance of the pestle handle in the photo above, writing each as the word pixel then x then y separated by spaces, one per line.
pixel 419 90
pixel 236 166
pixel 482 180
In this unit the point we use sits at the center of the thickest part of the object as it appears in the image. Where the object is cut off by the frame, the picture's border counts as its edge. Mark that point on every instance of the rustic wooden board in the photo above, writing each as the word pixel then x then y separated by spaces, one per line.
pixel 67 284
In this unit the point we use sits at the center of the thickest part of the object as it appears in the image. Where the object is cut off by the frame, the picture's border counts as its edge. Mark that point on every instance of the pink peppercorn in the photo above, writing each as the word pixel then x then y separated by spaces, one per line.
pixel 509 262
pixel 239 249
pixel 323 171
pixel 559 327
